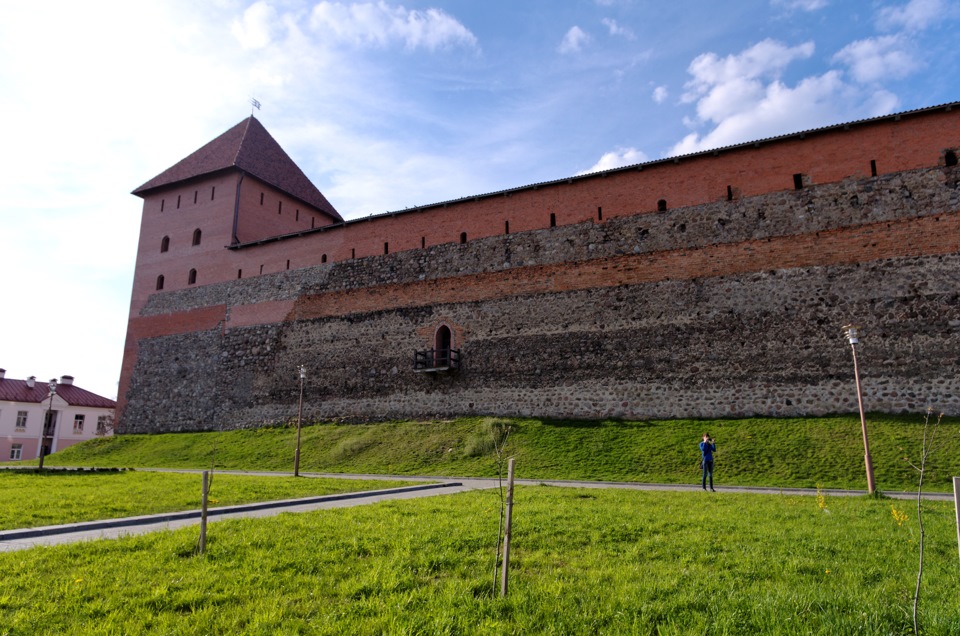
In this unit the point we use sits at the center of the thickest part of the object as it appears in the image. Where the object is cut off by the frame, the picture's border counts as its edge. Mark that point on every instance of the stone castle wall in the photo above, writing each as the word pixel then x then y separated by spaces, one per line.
pixel 731 308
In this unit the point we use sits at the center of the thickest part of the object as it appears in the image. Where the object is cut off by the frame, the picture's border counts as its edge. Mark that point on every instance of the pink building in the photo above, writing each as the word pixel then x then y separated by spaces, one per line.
pixel 51 415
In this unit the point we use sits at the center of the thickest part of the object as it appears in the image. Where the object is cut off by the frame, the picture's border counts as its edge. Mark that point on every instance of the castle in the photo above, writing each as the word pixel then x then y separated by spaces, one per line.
pixel 707 285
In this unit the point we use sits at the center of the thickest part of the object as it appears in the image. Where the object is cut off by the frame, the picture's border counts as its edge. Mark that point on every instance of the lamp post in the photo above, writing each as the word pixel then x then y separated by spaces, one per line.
pixel 296 457
pixel 52 386
pixel 851 332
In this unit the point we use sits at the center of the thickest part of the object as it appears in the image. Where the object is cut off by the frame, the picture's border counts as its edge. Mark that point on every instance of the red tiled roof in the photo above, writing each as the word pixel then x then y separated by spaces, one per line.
pixel 18 391
pixel 248 147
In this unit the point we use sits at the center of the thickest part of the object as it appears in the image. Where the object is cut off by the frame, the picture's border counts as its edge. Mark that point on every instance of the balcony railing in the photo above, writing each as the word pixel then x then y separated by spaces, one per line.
pixel 436 360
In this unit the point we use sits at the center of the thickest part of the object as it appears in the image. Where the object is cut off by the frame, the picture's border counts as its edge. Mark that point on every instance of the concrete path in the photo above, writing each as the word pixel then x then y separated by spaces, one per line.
pixel 21 539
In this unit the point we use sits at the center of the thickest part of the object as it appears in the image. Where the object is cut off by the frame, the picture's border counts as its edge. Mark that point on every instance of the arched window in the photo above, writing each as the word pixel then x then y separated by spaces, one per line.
pixel 950 158
pixel 159 282
pixel 196 236
pixel 192 277
pixel 662 205
pixel 164 244
pixel 323 258
pixel 443 342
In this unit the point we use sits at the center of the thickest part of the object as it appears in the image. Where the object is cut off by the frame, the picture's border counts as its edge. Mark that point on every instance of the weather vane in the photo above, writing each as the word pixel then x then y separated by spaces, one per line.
pixel 254 104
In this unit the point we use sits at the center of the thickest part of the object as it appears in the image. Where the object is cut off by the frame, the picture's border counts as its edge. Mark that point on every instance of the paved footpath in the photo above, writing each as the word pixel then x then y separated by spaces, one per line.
pixel 21 539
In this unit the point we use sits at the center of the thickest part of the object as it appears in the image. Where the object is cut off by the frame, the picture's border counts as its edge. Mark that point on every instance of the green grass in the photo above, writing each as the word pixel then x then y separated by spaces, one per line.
pixel 57 497
pixel 584 562
pixel 751 452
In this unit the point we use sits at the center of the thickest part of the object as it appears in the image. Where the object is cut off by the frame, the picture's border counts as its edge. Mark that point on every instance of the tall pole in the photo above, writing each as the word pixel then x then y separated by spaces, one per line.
pixel 43 431
pixel 296 457
pixel 851 332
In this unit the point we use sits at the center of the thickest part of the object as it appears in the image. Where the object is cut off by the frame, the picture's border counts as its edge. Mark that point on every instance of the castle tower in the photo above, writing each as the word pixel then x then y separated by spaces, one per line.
pixel 239 188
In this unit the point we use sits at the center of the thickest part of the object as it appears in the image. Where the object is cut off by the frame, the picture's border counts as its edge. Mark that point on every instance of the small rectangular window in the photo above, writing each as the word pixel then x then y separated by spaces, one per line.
pixel 599 213
pixel 288 263
pixel 423 242
pixel 162 201
pixel 296 217
pixel 78 424
pixel 195 193
pixel 213 192
pixel 729 193
pixel 798 181
pixel 873 167
pixel 506 227
pixel 386 248
pixel 353 252
pixel 21 420
pixel 178 201
pixel 16 452
pixel 261 198
pixel 279 207
pixel 240 273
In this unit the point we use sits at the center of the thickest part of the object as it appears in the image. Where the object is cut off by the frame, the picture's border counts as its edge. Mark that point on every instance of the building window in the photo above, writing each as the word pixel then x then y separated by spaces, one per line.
pixel 950 158
pixel 553 220
pixel 296 214
pixel 239 273
pixel 78 424
pixel 323 258
pixel 192 277
pixel 160 282
pixel 261 198
pixel 463 237
pixel 164 244
pixel 386 248
pixel 21 420
pixel 178 201
pixel 196 236
pixel 101 425
pixel 662 205
pixel 599 213
pixel 279 207
pixel 195 192
pixel 213 192
pixel 16 452
pixel 798 181
pixel 162 202
pixel 506 227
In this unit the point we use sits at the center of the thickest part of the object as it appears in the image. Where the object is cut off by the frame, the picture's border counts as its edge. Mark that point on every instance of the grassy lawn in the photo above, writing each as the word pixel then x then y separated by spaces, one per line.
pixel 759 451
pixel 56 497
pixel 584 562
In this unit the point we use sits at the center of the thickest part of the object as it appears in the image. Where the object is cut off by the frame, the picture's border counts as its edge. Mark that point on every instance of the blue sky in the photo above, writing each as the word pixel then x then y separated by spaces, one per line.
pixel 390 104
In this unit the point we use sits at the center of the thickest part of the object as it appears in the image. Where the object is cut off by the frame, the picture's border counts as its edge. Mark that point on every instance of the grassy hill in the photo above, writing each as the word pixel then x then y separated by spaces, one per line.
pixel 759 451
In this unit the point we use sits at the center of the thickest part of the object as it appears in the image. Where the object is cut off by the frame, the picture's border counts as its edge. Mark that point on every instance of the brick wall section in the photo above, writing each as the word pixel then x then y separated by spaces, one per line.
pixel 748 324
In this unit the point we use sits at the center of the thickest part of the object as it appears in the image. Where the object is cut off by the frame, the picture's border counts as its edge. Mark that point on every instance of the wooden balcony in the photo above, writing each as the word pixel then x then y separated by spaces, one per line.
pixel 436 360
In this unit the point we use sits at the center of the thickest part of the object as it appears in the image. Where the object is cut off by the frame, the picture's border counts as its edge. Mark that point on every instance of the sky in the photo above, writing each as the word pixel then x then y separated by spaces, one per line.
pixel 389 104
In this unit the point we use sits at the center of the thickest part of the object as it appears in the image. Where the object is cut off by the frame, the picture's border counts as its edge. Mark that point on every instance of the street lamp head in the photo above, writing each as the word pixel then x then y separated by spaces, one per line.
pixel 53 386
pixel 852 333
pixel 303 372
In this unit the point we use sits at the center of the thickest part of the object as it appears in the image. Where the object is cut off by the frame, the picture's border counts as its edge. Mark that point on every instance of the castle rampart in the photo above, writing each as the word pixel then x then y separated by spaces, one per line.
pixel 722 303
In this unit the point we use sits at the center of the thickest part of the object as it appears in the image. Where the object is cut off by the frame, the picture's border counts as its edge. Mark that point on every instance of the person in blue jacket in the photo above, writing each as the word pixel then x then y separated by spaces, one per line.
pixel 707 448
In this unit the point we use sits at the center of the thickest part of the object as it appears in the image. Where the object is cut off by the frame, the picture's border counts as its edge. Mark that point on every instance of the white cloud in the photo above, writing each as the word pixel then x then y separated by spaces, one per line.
pixel 916 15
pixel 660 94
pixel 255 29
pixel 616 159
pixel 573 41
pixel 726 87
pixel 616 29
pixel 382 25
pixel 742 97
pixel 802 5
pixel 874 59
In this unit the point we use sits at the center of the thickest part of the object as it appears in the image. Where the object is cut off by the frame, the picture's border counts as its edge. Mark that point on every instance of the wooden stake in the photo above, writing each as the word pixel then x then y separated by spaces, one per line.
pixel 203 512
pixel 507 529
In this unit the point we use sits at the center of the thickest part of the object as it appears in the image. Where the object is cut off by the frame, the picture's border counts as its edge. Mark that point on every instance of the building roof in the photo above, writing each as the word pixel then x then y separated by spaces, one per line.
pixel 19 391
pixel 250 148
